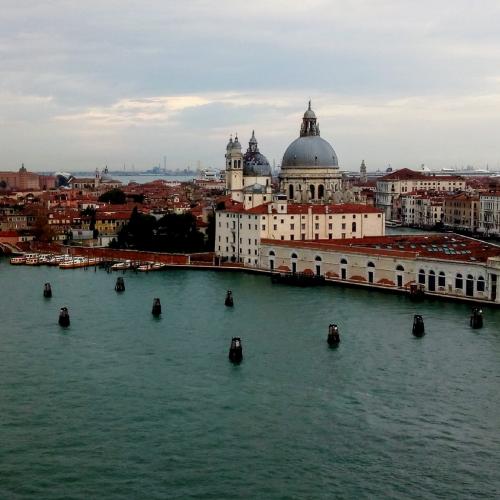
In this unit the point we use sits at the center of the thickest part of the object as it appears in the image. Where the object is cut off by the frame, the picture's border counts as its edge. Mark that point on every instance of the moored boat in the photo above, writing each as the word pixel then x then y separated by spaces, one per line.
pixel 16 261
pixel 120 266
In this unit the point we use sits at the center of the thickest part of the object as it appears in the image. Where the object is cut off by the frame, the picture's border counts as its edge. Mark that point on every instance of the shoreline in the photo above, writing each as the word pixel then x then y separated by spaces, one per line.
pixel 203 266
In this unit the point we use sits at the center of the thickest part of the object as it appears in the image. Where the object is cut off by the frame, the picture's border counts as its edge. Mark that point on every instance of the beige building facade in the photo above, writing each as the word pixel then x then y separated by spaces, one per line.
pixel 239 231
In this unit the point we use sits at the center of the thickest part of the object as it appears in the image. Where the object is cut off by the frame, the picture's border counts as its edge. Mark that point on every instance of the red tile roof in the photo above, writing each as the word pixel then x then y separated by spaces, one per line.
pixel 447 246
pixel 407 174
pixel 303 208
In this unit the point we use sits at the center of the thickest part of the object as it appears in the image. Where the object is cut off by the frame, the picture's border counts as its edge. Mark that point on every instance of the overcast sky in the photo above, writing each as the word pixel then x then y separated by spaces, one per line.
pixel 89 83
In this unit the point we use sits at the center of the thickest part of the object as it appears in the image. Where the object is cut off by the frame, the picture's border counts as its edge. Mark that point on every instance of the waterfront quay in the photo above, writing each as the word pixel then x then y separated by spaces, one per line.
pixel 447 266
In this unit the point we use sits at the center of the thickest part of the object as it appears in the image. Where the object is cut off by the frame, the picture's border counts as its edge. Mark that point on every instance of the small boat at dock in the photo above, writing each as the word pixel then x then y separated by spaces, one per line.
pixel 121 266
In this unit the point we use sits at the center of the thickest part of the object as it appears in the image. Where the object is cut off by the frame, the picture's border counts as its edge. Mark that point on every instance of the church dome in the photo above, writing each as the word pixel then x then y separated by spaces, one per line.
pixel 254 162
pixel 309 150
pixel 309 112
pixel 312 151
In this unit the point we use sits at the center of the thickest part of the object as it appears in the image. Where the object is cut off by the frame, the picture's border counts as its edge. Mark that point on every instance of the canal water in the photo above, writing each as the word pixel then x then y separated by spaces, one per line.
pixel 123 405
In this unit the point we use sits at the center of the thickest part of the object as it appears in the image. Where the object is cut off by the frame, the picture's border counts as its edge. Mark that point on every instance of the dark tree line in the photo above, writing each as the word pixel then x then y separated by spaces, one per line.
pixel 171 233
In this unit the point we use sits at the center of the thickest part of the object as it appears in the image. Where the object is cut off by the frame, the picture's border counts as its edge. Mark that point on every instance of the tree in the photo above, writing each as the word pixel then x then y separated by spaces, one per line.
pixel 42 230
pixel 178 233
pixel 114 196
pixel 211 232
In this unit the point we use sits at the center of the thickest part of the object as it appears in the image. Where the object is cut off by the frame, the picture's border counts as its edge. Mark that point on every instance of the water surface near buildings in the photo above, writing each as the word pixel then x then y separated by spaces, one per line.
pixel 123 405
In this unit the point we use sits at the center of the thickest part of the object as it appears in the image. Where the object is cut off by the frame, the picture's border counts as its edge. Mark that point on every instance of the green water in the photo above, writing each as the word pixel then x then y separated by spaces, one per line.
pixel 121 405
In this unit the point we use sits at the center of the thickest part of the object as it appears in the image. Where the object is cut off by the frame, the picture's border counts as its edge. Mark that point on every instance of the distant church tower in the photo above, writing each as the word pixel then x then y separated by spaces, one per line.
pixel 362 172
pixel 234 169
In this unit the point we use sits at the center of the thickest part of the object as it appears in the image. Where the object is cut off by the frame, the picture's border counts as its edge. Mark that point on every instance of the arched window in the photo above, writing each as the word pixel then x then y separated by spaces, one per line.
pixel 371 264
pixel 321 191
pixel 442 279
pixel 480 284
pixel 312 190
pixel 271 253
pixel 432 273
pixel 294 255
pixel 343 261
pixel 353 227
pixel 421 277
pixel 400 268
pixel 459 281
pixel 290 191
pixel 318 258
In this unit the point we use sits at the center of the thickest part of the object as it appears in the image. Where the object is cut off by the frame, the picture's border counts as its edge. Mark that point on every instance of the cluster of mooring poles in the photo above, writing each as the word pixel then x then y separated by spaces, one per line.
pixel 236 349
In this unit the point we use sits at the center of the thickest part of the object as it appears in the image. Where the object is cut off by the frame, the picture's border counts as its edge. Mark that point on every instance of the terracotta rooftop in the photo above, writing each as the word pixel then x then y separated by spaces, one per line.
pixel 407 174
pixel 299 208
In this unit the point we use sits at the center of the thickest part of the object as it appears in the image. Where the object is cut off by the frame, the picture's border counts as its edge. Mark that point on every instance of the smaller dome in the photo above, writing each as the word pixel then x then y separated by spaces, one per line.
pixel 309 112
pixel 229 144
pixel 236 143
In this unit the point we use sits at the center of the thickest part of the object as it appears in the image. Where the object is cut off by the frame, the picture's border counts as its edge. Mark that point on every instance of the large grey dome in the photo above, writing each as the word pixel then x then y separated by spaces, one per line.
pixel 309 150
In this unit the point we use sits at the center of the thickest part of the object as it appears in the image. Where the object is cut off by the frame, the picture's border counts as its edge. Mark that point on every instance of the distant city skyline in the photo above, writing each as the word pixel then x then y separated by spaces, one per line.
pixel 84 85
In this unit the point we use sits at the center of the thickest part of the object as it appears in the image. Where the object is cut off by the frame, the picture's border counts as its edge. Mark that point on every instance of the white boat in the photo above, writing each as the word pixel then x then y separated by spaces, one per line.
pixel 121 265
pixel 393 223
pixel 78 262
pixel 16 261
pixel 158 265
pixel 145 267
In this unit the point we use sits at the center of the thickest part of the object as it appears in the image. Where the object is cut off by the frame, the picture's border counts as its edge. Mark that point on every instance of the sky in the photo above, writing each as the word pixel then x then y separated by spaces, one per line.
pixel 90 83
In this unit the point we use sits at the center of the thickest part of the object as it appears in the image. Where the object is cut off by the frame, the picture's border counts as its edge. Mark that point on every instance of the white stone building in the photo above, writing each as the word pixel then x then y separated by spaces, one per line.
pixel 450 264
pixel 391 186
pixel 239 230
pixel 489 214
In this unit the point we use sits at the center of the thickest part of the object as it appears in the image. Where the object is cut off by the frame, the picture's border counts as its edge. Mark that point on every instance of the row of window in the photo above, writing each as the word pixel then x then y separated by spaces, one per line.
pixel 459 280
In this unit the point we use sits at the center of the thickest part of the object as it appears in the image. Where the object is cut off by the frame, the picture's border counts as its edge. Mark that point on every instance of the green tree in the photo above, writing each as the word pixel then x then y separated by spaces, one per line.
pixel 178 233
pixel 211 232
pixel 114 196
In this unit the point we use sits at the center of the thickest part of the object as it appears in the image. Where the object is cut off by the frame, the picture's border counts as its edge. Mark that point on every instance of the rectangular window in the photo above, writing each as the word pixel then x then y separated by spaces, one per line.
pixel 329 236
pixel 343 226
pixel 330 226
pixel 292 227
pixel 275 227
pixel 316 225
pixel 282 237
pixel 303 226
pixel 316 236
pixel 263 227
pixel 292 237
pixel 303 236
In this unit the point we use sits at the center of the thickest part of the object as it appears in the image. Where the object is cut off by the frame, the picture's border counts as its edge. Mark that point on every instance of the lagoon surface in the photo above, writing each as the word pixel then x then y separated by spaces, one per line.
pixel 121 405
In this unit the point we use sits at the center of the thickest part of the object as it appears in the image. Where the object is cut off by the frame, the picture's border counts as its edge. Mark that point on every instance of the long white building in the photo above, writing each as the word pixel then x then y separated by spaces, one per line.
pixel 239 230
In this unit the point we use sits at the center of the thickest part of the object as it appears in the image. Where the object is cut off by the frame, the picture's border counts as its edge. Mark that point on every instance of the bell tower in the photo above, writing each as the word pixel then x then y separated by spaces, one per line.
pixel 234 169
